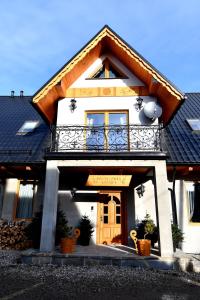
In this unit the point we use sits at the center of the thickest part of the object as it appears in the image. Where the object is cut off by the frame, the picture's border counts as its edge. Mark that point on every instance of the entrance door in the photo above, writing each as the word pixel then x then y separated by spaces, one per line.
pixel 109 218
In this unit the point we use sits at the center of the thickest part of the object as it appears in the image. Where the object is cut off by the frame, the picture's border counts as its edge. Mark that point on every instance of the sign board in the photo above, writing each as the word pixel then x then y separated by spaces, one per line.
pixel 108 180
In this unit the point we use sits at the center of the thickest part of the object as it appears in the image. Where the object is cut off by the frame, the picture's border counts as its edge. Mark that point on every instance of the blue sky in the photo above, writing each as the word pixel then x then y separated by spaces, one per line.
pixel 37 37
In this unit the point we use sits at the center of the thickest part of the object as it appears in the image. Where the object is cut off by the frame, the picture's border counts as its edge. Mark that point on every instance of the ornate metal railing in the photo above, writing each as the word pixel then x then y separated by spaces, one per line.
pixel 115 138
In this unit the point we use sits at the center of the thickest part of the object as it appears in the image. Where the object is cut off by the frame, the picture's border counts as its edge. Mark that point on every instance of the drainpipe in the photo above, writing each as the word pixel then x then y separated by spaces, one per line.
pixel 173 198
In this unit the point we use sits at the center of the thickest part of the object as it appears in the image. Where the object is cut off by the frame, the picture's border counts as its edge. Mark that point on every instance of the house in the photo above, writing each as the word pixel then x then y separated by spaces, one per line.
pixel 103 128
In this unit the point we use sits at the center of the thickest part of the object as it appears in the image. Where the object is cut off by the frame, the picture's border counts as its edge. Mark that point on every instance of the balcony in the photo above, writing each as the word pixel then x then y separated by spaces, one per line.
pixel 114 138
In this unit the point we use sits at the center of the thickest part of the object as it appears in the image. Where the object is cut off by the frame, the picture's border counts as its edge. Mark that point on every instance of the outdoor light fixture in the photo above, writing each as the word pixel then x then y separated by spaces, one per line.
pixel 73 192
pixel 72 105
pixel 140 190
pixel 138 105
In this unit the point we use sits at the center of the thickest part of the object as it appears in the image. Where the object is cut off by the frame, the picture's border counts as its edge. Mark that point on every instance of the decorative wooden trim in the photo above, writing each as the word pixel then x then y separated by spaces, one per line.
pixel 107 92
pixel 118 42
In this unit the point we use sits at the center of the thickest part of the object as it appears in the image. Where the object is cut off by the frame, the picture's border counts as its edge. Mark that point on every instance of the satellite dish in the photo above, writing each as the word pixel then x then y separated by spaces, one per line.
pixel 152 110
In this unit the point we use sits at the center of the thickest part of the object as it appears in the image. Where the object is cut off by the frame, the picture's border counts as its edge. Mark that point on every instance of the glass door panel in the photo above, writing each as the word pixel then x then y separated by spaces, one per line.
pixel 117 132
pixel 95 139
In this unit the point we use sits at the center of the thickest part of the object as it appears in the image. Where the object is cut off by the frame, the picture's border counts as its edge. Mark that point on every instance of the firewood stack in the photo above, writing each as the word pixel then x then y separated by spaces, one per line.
pixel 13 236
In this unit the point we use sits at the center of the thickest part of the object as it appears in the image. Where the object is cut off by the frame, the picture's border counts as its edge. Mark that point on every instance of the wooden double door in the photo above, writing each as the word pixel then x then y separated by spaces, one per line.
pixel 110 217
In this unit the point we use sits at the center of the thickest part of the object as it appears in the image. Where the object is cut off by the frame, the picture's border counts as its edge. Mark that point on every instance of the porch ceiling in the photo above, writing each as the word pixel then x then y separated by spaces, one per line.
pixel 77 177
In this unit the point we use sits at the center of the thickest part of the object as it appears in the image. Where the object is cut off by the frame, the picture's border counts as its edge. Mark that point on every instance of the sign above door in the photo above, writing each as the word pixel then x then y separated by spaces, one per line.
pixel 108 180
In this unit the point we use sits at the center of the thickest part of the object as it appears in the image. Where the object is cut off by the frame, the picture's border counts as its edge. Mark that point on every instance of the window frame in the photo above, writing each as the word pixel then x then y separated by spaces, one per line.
pixel 189 121
pixel 106 122
pixel 24 182
pixel 107 63
pixel 188 189
pixel 22 131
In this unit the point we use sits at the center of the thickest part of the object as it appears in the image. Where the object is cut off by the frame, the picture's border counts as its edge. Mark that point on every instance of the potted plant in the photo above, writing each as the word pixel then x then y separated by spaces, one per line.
pixel 64 234
pixel 147 228
pixel 177 236
pixel 86 230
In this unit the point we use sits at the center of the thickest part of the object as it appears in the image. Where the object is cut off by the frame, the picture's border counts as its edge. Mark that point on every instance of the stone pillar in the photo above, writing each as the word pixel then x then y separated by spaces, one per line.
pixel 47 242
pixel 9 199
pixel 162 199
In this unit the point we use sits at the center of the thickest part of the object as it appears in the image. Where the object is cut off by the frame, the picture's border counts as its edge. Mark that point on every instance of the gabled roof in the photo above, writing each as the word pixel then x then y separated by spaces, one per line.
pixel 181 143
pixel 107 41
pixel 27 148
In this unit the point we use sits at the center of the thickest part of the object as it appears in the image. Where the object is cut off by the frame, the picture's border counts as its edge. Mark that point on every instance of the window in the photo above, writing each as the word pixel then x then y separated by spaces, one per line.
pixel 24 208
pixel 27 127
pixel 107 71
pixel 108 131
pixel 194 124
pixel 193 194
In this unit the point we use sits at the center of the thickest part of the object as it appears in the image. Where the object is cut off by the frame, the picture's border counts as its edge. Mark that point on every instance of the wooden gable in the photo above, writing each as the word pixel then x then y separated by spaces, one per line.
pixel 108 42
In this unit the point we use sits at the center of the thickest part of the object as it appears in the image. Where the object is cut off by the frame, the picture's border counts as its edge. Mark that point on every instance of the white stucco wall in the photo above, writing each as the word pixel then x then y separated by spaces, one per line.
pixel 74 210
pixel 145 204
pixel 66 117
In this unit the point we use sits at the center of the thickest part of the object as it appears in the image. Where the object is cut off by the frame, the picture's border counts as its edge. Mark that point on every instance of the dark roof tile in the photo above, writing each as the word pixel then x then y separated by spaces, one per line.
pixel 181 144
pixel 21 148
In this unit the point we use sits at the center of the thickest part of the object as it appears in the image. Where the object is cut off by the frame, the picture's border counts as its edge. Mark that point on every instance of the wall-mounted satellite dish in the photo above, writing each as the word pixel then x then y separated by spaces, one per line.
pixel 152 110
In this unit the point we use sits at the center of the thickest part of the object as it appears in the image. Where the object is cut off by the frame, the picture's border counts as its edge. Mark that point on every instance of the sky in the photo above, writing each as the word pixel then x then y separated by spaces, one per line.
pixel 37 37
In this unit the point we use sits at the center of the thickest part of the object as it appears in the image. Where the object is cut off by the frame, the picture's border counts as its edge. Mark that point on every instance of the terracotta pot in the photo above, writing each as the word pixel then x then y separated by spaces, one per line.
pixel 144 247
pixel 67 245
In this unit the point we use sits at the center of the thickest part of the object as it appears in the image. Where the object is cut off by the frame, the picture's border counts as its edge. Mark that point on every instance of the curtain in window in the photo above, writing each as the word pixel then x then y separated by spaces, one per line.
pixel 25 201
pixel 191 203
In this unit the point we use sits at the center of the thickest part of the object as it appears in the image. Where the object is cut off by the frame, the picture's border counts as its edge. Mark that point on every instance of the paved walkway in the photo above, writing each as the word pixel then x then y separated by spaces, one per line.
pixel 104 250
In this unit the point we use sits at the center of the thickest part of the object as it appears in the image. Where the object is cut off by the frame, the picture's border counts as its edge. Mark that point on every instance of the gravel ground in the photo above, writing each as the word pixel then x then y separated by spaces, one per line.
pixel 19 281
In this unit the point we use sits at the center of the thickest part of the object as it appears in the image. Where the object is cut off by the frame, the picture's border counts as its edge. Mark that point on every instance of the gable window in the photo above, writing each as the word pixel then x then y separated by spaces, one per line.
pixel 194 124
pixel 108 71
pixel 108 131
pixel 27 127
pixel 193 194
pixel 24 209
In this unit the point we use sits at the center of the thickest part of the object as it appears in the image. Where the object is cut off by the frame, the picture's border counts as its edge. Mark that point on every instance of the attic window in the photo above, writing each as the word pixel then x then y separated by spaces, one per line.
pixel 107 71
pixel 194 124
pixel 27 127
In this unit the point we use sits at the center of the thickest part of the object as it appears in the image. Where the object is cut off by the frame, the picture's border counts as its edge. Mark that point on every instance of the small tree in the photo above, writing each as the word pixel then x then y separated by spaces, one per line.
pixel 62 228
pixel 146 229
pixel 86 231
pixel 149 225
pixel 33 230
pixel 177 236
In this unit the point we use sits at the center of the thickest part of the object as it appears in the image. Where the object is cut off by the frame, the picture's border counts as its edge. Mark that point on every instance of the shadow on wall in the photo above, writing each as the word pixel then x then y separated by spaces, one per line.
pixel 76 207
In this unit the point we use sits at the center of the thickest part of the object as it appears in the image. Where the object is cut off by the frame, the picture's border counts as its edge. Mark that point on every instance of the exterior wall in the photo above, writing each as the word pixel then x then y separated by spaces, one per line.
pixel 78 117
pixel 190 230
pixel 145 204
pixel 75 209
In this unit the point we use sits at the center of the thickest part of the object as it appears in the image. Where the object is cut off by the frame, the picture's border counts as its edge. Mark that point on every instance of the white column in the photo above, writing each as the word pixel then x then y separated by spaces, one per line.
pixel 47 242
pixel 9 199
pixel 162 199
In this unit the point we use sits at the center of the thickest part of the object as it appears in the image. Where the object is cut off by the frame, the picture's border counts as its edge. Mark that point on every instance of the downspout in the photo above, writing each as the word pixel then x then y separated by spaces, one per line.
pixel 173 198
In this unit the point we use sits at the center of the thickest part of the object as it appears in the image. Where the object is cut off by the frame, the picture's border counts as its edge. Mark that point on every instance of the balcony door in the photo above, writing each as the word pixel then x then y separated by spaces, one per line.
pixel 107 131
